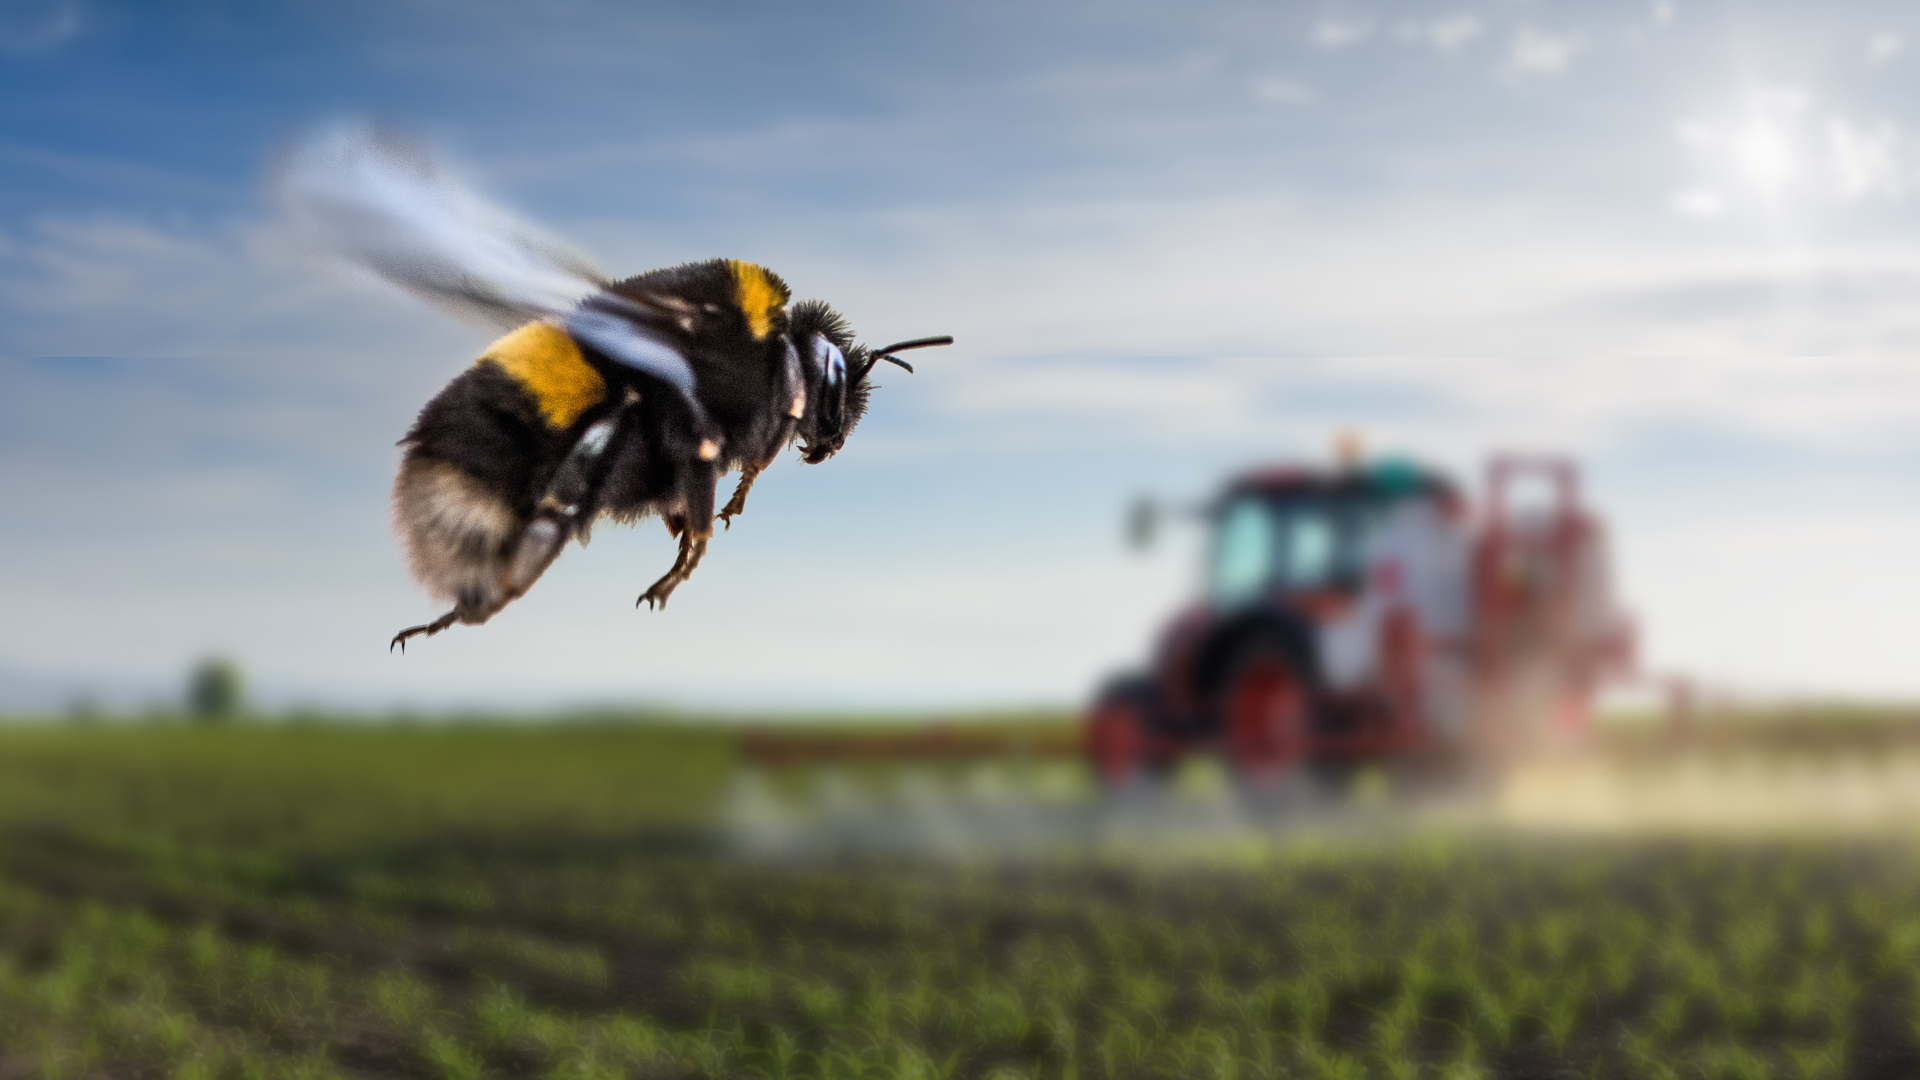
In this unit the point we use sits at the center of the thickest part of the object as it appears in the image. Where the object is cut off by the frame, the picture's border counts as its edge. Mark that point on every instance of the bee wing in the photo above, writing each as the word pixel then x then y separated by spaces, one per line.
pixel 383 203
pixel 637 336
pixel 372 197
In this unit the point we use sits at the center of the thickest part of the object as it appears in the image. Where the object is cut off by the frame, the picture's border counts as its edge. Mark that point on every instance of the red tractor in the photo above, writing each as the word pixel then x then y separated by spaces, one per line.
pixel 1368 613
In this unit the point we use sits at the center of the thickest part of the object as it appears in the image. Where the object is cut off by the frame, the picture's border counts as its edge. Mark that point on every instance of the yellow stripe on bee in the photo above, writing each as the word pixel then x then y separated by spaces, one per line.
pixel 543 358
pixel 759 297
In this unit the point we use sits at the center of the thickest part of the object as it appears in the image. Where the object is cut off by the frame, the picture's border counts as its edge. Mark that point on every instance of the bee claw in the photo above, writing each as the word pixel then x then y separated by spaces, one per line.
pixel 427 629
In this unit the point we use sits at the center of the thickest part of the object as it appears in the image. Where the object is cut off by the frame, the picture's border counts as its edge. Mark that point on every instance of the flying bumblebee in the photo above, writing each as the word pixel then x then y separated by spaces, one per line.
pixel 612 399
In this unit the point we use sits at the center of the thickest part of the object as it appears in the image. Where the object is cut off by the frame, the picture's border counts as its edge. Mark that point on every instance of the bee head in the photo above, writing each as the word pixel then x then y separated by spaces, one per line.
pixel 830 404
pixel 833 373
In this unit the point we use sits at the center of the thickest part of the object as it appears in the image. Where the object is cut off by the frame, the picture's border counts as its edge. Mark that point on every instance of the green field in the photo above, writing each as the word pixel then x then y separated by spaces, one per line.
pixel 463 901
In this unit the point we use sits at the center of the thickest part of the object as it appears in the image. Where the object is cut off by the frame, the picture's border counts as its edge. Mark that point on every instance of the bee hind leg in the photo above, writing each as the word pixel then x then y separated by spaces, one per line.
pixel 427 629
pixel 539 545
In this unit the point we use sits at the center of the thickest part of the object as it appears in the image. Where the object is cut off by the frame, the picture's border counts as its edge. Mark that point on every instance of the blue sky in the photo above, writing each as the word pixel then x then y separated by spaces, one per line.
pixel 1675 239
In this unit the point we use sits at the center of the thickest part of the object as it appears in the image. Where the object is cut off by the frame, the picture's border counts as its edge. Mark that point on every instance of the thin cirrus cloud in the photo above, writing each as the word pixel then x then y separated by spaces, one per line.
pixel 33 27
pixel 1335 32
pixel 1446 34
pixel 1280 90
pixel 1539 52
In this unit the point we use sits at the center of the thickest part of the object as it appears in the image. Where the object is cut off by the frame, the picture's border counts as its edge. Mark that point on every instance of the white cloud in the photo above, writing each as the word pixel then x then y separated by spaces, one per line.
pixel 1334 32
pixel 1699 203
pixel 1696 134
pixel 1572 401
pixel 1539 52
pixel 1778 147
pixel 1882 47
pixel 1445 34
pixel 1664 12
pixel 119 286
pixel 1453 31
pixel 1278 90
pixel 1866 161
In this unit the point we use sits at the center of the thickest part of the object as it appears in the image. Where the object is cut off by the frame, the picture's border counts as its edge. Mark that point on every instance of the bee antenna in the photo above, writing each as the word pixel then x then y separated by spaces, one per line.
pixel 916 343
pixel 902 346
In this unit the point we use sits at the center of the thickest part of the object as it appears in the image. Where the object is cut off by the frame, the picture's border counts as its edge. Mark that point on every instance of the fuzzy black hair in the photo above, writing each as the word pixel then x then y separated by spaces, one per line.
pixel 810 317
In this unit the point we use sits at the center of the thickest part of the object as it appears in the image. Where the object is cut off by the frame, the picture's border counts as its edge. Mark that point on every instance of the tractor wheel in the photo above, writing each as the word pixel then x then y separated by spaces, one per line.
pixel 1269 712
pixel 1120 742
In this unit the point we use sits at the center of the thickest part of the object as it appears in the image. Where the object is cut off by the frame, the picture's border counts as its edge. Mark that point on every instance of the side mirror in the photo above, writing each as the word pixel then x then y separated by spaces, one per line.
pixel 1143 523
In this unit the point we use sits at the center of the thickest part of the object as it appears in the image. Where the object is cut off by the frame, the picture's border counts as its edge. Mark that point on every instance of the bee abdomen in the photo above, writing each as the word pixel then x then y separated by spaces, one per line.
pixel 459 535
pixel 466 487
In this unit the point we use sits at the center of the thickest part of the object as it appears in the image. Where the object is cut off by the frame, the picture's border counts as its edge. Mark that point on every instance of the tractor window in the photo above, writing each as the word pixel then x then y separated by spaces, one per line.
pixel 1317 538
pixel 1243 550
pixel 1310 546
pixel 1294 541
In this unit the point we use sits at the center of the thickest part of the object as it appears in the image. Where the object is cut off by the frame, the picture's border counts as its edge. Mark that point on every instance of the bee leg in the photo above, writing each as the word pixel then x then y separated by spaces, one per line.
pixel 691 551
pixel 694 528
pixel 748 473
pixel 428 629
pixel 539 545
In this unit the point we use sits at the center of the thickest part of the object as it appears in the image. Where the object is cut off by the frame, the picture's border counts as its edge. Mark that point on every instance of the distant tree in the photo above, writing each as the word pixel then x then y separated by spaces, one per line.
pixel 214 689
pixel 85 709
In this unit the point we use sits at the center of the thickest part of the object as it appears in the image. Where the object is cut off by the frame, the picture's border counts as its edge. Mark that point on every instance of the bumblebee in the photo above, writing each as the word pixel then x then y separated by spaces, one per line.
pixel 614 399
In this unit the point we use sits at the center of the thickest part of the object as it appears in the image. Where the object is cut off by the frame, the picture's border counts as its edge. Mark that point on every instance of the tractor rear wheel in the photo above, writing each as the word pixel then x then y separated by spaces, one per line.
pixel 1269 713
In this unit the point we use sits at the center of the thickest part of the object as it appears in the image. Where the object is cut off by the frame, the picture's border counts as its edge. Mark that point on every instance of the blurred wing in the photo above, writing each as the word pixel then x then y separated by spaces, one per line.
pixel 381 202
pixel 634 335
pixel 373 198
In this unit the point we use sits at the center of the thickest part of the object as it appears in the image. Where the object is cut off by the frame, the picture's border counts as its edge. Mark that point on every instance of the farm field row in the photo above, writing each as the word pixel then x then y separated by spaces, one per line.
pixel 469 902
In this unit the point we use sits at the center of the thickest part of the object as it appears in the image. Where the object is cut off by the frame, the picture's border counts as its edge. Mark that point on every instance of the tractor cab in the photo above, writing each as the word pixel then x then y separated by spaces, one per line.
pixel 1296 533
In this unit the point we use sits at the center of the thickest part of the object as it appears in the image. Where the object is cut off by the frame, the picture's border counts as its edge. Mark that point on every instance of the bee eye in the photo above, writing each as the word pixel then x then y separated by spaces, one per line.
pixel 830 360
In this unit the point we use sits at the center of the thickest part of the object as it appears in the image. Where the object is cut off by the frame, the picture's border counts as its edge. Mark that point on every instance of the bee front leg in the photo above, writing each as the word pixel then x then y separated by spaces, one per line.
pixel 748 473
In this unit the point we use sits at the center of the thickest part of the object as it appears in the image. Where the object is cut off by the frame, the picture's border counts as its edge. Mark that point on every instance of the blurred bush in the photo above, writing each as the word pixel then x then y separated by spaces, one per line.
pixel 214 689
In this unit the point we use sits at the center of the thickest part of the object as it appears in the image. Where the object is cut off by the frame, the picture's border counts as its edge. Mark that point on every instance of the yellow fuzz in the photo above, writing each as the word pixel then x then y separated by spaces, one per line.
pixel 759 298
pixel 543 358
